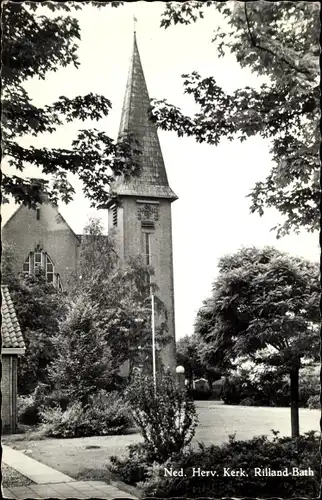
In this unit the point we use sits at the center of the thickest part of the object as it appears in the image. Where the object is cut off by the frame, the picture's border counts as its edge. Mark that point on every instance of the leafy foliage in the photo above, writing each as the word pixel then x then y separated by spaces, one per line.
pixel 35 44
pixel 30 406
pixel 186 13
pixel 27 410
pixel 121 292
pixel 39 307
pixel 133 468
pixel 256 384
pixel 314 402
pixel 264 305
pixel 188 350
pixel 281 42
pixel 268 389
pixel 278 454
pixel 309 386
pixel 105 414
pixel 83 362
pixel 165 416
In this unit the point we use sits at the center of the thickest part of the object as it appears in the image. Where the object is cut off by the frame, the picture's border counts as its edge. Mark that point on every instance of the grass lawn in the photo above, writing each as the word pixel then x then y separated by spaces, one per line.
pixel 10 477
pixel 76 457
pixel 217 421
pixel 85 458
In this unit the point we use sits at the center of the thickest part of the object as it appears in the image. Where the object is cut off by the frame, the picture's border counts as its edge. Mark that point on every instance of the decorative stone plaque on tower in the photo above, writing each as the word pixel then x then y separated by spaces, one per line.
pixel 148 211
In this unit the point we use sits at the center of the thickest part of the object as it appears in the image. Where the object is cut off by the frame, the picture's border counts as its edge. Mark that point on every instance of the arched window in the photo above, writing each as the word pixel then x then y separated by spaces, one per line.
pixel 41 260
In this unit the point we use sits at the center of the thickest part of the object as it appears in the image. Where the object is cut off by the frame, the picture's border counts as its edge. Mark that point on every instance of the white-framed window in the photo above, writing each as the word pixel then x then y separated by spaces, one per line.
pixel 41 260
pixel 38 260
pixel 26 268
pixel 49 270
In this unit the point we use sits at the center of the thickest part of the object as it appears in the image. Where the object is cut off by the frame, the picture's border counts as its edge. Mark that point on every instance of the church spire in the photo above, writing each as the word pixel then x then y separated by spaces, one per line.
pixel 152 181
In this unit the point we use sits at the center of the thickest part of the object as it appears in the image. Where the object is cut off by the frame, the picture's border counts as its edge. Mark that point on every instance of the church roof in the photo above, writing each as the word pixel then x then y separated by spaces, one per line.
pixel 10 329
pixel 152 180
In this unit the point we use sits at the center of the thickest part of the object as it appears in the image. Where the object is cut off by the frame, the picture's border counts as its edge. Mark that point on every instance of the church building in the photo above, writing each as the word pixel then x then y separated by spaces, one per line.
pixel 139 215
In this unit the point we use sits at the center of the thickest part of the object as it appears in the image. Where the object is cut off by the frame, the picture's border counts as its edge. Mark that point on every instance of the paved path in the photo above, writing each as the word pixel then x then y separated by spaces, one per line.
pixel 27 466
pixel 74 489
pixel 50 483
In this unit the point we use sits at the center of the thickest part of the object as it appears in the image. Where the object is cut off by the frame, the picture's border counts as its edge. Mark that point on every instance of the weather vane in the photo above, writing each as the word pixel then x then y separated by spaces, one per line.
pixel 134 23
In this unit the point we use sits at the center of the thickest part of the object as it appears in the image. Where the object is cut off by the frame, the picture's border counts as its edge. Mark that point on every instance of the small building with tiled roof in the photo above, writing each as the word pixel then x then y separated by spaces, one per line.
pixel 12 346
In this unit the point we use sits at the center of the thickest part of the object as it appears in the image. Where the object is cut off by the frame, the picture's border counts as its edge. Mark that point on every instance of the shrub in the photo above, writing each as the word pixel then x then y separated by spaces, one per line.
pixel 276 454
pixel 166 417
pixel 57 398
pixel 269 389
pixel 105 414
pixel 59 423
pixel 232 391
pixel 309 386
pixel 28 410
pixel 109 412
pixel 134 468
pixel 314 402
pixel 200 394
pixel 29 407
pixel 249 402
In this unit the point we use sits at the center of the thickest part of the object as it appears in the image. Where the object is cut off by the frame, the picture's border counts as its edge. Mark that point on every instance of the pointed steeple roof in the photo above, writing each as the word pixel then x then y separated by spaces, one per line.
pixel 153 180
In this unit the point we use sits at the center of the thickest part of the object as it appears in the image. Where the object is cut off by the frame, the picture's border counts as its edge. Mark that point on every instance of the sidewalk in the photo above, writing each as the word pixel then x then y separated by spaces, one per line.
pixel 51 483
pixel 75 489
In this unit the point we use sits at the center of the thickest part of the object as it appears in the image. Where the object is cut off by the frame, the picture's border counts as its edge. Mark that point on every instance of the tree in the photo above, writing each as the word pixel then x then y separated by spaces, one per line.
pixel 278 40
pixel 35 44
pixel 122 293
pixel 265 304
pixel 39 307
pixel 188 350
pixel 83 362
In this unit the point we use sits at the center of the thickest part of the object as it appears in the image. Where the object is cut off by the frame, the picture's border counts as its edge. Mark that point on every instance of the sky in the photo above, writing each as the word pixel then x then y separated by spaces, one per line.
pixel 211 217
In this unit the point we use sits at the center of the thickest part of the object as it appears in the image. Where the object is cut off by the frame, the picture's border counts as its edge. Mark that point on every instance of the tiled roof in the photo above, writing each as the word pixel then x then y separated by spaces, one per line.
pixel 153 180
pixel 10 329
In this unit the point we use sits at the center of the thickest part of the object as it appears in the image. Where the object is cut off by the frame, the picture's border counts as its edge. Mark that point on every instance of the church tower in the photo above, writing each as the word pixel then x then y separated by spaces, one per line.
pixel 141 216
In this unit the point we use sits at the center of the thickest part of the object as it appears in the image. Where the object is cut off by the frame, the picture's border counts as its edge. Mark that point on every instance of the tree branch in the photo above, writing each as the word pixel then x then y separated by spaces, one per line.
pixel 269 51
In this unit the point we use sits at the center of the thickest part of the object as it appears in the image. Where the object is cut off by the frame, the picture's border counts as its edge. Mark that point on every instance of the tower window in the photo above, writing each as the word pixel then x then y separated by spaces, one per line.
pixel 147 247
pixel 114 215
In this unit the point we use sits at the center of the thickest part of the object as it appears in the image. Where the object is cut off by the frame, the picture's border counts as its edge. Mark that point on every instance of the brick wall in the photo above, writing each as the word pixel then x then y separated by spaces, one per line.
pixel 9 393
pixel 24 232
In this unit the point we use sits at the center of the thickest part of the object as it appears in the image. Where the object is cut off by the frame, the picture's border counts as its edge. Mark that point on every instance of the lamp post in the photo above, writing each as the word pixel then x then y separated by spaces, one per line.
pixel 180 377
pixel 153 341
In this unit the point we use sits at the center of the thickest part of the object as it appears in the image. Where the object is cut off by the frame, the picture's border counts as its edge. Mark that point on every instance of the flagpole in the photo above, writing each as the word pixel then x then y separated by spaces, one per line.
pixel 153 341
